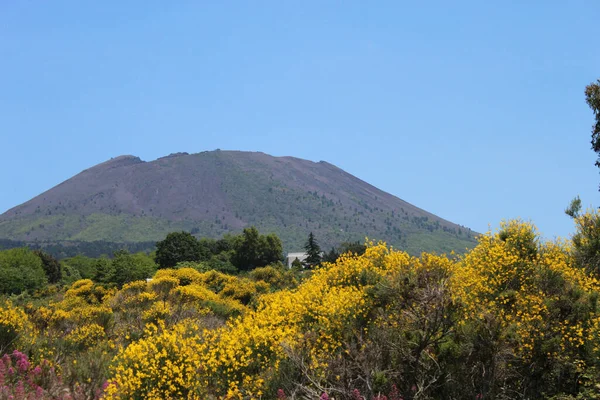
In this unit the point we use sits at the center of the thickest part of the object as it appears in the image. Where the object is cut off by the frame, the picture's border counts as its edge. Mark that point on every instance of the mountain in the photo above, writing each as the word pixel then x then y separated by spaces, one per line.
pixel 212 193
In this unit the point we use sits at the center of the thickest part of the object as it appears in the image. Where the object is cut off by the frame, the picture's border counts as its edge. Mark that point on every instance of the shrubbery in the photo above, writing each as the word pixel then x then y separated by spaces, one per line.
pixel 21 269
pixel 516 317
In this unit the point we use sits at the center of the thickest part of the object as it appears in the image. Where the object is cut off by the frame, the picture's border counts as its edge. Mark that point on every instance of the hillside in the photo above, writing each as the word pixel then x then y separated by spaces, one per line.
pixel 212 193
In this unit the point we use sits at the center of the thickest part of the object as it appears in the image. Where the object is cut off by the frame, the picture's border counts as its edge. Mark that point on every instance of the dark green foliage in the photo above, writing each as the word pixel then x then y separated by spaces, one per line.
pixel 330 257
pixel 277 276
pixel 313 252
pixel 82 264
pixel 253 250
pixel 221 262
pixel 356 248
pixel 297 265
pixel 178 247
pixel 586 241
pixel 586 244
pixel 71 248
pixel 225 244
pixel 69 274
pixel 211 246
pixel 574 208
pixel 131 267
pixel 247 250
pixel 20 270
pixel 104 270
pixel 271 249
pixel 592 98
pixel 52 267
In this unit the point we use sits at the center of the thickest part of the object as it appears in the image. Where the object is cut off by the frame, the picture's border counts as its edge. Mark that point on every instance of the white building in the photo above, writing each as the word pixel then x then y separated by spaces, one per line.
pixel 289 259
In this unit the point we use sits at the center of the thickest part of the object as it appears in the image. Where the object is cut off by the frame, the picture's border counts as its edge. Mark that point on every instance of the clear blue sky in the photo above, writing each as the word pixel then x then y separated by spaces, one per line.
pixel 471 110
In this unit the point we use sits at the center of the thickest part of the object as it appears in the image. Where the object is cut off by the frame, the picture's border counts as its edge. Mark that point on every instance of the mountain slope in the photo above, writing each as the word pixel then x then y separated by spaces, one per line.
pixel 212 193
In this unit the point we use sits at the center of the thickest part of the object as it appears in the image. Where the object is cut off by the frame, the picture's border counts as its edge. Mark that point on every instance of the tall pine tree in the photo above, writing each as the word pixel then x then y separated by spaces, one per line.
pixel 313 252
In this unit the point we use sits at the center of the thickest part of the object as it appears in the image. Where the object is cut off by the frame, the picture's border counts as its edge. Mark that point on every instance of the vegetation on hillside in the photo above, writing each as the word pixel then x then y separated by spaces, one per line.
pixel 25 270
pixel 215 193
pixel 516 317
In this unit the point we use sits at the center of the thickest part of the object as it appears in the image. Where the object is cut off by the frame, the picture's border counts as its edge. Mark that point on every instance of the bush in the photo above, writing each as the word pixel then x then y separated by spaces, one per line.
pixel 164 364
pixel 21 270
pixel 178 247
pixel 23 381
pixel 14 327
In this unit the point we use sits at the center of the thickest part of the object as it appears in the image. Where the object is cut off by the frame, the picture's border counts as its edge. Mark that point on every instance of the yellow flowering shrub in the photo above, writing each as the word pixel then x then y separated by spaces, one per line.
pixel 91 293
pixel 186 276
pixel 81 288
pixel 216 281
pixel 68 327
pixel 129 304
pixel 243 290
pixel 515 314
pixel 164 364
pixel 173 295
pixel 15 327
pixel 241 356
pixel 133 288
pixel 85 336
pixel 162 286
pixel 276 278
pixel 159 311
pixel 198 296
pixel 225 295
pixel 512 276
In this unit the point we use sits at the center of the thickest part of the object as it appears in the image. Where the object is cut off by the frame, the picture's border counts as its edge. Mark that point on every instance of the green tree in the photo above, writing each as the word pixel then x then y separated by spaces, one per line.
pixel 332 256
pixel 592 98
pixel 253 250
pixel 52 267
pixel 178 247
pixel 271 250
pixel 21 269
pixel 246 247
pixel 313 252
pixel 131 267
pixel 586 240
pixel 353 247
pixel 104 270
pixel 69 274
pixel 297 265
pixel 84 265
pixel 574 208
pixel 222 262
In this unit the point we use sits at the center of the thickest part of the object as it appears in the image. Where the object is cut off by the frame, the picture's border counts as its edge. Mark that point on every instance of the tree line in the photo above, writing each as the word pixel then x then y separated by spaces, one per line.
pixel 24 269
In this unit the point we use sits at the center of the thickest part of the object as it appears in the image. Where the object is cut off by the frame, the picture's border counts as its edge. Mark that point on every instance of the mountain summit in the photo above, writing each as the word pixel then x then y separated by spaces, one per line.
pixel 212 193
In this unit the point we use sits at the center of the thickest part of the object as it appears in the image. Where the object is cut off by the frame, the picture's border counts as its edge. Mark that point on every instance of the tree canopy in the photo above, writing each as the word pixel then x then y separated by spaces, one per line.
pixel 51 266
pixel 21 269
pixel 131 267
pixel 255 250
pixel 178 247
